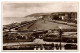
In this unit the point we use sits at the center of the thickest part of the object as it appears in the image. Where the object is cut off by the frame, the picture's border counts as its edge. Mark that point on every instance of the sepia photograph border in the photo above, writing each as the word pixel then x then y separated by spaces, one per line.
pixel 38 50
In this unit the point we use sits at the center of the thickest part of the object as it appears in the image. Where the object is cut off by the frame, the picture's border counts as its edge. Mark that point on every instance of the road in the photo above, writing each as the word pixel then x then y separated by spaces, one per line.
pixel 36 41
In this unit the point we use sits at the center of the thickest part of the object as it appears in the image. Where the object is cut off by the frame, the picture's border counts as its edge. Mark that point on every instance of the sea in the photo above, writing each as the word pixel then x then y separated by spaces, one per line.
pixel 9 20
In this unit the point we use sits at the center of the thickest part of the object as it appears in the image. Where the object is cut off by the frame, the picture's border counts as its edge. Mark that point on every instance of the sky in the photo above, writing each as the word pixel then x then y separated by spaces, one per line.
pixel 23 9
pixel 14 12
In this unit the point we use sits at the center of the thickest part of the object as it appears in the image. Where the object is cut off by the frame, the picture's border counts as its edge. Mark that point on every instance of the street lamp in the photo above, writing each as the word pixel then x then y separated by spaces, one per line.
pixel 60 33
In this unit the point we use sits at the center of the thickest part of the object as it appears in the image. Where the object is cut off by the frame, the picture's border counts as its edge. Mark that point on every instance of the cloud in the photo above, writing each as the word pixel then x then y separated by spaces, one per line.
pixel 23 9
